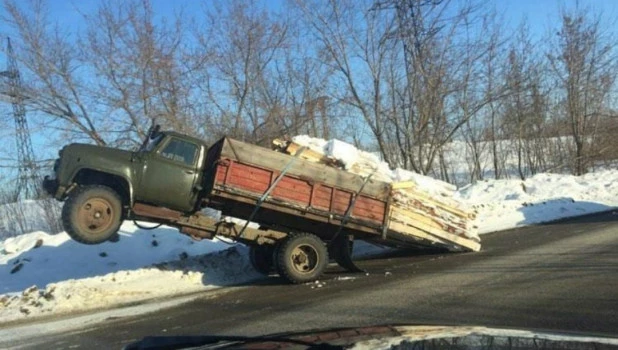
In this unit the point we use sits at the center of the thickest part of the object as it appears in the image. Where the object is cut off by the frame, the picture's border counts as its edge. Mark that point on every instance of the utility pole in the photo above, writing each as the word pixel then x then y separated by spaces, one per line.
pixel 28 178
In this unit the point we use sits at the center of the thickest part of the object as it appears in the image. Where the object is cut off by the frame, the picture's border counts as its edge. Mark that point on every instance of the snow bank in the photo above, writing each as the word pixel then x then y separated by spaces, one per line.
pixel 59 258
pixel 505 204
pixel 43 274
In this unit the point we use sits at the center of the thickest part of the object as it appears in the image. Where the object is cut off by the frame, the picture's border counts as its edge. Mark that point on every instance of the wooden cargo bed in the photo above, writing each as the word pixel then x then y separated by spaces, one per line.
pixel 314 197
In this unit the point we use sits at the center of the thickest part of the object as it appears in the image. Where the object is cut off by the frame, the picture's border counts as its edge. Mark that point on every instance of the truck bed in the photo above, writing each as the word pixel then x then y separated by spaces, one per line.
pixel 311 197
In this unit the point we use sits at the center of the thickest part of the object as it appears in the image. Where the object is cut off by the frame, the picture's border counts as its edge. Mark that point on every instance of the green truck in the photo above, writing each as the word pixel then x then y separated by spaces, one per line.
pixel 308 213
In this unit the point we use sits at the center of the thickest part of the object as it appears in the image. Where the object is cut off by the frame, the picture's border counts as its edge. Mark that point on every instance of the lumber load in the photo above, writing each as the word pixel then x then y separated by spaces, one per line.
pixel 420 207
pixel 440 217
pixel 292 148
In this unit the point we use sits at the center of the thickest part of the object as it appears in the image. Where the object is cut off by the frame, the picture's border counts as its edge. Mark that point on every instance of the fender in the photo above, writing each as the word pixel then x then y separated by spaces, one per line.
pixel 92 175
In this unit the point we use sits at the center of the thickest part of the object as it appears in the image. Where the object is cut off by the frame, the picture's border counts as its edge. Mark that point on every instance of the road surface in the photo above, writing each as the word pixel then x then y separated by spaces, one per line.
pixel 557 277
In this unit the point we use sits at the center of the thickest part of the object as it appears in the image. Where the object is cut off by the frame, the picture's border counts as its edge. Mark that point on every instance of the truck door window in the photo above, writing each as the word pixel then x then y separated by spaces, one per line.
pixel 180 151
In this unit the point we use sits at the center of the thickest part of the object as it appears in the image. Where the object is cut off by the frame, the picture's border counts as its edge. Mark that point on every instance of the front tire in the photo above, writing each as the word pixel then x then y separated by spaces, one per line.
pixel 92 214
pixel 301 258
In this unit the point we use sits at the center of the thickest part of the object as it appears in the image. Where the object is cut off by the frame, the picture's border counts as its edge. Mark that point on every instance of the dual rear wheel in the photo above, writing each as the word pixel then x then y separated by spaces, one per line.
pixel 299 258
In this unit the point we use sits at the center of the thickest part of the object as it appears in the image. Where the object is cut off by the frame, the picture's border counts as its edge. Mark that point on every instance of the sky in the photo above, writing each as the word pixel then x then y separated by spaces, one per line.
pixel 542 15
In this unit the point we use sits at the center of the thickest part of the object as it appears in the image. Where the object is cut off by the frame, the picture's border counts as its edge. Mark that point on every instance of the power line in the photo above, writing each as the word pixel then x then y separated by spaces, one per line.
pixel 28 178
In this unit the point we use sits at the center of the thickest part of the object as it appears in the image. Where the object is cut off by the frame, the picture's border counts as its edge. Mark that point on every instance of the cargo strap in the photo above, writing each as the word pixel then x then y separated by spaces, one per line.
pixel 340 246
pixel 272 187
pixel 348 212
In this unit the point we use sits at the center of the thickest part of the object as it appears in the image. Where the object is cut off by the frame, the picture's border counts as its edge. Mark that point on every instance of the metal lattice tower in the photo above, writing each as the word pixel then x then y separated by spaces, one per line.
pixel 28 179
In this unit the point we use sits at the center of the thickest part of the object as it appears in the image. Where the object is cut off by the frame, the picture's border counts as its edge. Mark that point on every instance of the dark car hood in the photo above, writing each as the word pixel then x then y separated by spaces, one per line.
pixel 390 337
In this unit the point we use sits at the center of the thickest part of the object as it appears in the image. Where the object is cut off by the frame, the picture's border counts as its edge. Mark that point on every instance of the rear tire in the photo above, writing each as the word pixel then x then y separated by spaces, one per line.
pixel 301 258
pixel 92 214
pixel 261 258
pixel 340 249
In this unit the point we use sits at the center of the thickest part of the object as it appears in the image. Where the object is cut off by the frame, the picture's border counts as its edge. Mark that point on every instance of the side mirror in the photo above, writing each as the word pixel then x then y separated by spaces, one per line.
pixel 155 131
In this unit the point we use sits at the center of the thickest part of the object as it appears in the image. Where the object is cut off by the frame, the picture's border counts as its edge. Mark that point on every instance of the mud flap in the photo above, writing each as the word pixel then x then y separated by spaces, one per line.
pixel 340 250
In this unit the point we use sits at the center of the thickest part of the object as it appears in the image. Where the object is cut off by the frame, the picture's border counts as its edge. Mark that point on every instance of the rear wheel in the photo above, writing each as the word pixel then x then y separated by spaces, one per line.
pixel 261 258
pixel 340 250
pixel 301 258
pixel 92 214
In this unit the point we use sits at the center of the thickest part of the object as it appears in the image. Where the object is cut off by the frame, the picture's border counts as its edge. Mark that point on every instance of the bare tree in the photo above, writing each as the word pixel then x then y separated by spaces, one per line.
pixel 143 73
pixel 523 113
pixel 352 40
pixel 493 74
pixel 52 60
pixel 247 45
pixel 480 132
pixel 442 42
pixel 584 64
pixel 13 215
pixel 403 77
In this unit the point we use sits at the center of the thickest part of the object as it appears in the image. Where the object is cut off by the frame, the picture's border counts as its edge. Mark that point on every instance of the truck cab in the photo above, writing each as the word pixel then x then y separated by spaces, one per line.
pixel 101 184
pixel 168 171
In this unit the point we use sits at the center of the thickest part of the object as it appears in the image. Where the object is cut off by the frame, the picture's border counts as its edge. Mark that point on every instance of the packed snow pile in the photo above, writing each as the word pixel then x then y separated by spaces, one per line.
pixel 505 204
pixel 366 163
pixel 46 274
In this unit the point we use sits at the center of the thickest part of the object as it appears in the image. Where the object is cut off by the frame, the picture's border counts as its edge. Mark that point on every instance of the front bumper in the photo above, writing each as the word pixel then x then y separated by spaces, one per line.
pixel 52 187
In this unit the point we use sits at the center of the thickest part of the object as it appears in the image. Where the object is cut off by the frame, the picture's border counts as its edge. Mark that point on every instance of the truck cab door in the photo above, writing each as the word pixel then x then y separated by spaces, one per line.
pixel 170 174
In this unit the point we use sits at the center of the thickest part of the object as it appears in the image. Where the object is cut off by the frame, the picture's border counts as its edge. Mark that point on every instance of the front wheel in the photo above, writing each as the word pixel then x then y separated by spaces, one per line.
pixel 92 214
pixel 302 258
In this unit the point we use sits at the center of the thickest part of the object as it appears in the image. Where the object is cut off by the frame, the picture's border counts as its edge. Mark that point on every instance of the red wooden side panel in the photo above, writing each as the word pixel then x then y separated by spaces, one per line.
pixel 321 199
pixel 249 178
pixel 325 198
pixel 221 172
pixel 294 190
pixel 341 202
pixel 369 208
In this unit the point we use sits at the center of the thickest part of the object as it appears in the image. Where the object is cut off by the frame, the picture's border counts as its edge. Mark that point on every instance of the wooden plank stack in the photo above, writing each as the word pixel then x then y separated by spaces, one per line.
pixel 435 218
pixel 441 217
pixel 290 147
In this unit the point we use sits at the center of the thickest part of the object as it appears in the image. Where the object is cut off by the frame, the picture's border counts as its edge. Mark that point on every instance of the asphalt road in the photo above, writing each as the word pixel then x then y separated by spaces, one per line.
pixel 558 277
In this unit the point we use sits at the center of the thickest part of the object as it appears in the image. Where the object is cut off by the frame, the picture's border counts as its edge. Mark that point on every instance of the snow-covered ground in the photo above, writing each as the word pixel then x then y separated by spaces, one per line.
pixel 43 274
pixel 505 204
